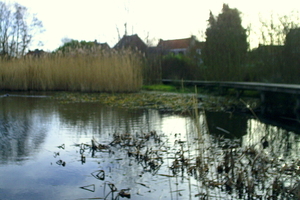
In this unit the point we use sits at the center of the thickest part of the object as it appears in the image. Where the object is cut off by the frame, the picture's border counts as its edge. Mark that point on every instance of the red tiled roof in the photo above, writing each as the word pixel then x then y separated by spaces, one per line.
pixel 175 44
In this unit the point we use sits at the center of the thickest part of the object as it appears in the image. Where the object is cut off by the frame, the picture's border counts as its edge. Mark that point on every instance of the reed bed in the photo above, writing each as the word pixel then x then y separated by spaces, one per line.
pixel 90 71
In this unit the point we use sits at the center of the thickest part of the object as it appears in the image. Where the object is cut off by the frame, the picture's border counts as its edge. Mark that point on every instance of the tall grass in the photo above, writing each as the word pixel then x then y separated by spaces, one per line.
pixel 90 71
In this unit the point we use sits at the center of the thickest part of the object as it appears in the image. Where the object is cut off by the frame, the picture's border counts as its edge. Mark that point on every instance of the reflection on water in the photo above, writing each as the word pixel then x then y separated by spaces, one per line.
pixel 22 128
pixel 233 126
pixel 283 143
pixel 42 156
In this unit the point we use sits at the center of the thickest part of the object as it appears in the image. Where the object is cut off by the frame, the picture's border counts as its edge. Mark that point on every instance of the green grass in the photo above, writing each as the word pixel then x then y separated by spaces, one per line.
pixel 160 87
pixel 169 88
pixel 175 88
pixel 180 89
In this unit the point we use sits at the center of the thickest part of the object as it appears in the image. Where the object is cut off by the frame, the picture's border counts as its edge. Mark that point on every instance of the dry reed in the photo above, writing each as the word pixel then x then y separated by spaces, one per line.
pixel 90 71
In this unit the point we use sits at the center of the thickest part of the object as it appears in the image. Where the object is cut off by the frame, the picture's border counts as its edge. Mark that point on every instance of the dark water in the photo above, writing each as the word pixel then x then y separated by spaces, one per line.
pixel 41 149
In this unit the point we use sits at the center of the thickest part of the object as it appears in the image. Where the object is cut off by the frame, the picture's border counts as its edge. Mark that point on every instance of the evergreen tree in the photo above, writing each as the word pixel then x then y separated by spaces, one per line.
pixel 292 47
pixel 226 43
pixel 291 55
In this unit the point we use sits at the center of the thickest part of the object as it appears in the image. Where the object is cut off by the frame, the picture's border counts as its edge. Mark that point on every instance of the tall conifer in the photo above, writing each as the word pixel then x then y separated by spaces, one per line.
pixel 226 43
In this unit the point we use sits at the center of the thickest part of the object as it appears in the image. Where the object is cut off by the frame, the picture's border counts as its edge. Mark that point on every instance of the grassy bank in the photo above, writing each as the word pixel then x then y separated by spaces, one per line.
pixel 93 72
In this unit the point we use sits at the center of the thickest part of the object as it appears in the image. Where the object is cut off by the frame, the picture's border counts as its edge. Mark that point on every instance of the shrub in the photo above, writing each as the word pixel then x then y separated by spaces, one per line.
pixel 178 67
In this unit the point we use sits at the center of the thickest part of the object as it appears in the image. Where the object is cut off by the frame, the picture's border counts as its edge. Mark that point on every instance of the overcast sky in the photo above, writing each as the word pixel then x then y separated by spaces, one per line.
pixel 159 19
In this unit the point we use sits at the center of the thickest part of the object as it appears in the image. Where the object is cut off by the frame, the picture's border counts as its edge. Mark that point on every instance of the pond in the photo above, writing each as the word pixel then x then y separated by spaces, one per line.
pixel 53 150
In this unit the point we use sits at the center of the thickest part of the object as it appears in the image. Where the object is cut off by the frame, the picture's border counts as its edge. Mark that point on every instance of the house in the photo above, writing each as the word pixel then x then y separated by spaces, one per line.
pixel 37 53
pixel 133 42
pixel 104 46
pixel 181 46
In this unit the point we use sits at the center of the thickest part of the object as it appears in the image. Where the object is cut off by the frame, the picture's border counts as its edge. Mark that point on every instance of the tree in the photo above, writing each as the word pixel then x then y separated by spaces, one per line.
pixel 71 46
pixel 75 47
pixel 291 54
pixel 226 42
pixel 178 67
pixel 275 29
pixel 17 29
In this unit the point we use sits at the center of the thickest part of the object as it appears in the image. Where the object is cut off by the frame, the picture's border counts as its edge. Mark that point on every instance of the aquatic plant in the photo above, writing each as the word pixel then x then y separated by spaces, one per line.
pixel 197 164
pixel 223 169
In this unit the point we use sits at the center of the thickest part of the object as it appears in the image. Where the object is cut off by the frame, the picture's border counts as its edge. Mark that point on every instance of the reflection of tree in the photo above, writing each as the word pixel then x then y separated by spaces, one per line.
pixel 281 143
pixel 97 118
pixel 231 126
pixel 21 127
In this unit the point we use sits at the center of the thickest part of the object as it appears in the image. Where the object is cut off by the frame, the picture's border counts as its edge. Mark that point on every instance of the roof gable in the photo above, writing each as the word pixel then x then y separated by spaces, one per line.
pixel 131 41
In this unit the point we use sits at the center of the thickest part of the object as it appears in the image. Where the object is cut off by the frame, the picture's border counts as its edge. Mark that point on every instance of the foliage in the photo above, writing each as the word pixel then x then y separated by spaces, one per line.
pixel 291 54
pixel 292 47
pixel 17 29
pixel 160 87
pixel 226 43
pixel 264 64
pixel 152 68
pixel 74 45
pixel 276 63
pixel 272 61
pixel 178 67
pixel 275 29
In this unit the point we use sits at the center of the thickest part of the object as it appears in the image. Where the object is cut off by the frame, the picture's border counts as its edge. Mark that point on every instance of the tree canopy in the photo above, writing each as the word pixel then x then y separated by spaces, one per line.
pixel 226 40
pixel 75 46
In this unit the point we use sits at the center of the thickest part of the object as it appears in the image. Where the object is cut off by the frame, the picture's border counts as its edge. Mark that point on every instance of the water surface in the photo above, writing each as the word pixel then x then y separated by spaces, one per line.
pixel 42 149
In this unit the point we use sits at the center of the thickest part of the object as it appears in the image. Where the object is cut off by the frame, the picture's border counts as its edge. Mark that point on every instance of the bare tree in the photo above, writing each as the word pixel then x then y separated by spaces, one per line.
pixel 274 30
pixel 5 14
pixel 17 28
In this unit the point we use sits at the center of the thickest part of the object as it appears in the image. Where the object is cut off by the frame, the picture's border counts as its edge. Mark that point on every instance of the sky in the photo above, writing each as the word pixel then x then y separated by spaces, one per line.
pixel 101 20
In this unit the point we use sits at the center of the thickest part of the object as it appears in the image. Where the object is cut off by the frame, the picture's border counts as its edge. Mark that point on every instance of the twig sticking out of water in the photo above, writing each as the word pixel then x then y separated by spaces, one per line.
pixel 249 107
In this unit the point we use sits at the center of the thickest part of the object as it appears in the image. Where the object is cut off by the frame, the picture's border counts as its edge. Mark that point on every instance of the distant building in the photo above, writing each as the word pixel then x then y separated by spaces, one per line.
pixel 37 53
pixel 104 46
pixel 133 42
pixel 181 46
